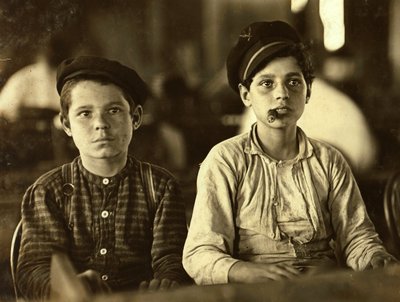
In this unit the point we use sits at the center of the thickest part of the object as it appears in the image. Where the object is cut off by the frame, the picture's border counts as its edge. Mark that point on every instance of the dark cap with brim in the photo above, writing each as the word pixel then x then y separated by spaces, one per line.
pixel 257 42
pixel 113 71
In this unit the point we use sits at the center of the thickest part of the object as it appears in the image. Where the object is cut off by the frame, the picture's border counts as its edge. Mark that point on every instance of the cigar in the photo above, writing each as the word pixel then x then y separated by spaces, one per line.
pixel 272 114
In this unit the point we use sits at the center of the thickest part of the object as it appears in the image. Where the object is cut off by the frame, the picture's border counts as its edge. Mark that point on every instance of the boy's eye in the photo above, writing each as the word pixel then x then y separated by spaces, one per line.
pixel 84 113
pixel 294 82
pixel 114 110
pixel 267 83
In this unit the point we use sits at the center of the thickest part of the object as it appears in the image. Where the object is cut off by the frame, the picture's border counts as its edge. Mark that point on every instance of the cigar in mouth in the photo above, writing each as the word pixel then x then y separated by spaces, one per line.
pixel 272 114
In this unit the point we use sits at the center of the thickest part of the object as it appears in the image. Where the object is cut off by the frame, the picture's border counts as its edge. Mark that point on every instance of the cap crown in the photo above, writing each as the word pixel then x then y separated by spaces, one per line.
pixel 257 39
pixel 115 72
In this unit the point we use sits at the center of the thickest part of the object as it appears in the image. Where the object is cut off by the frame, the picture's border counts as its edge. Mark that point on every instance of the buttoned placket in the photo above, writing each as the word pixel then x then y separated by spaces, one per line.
pixel 103 225
pixel 106 230
pixel 276 199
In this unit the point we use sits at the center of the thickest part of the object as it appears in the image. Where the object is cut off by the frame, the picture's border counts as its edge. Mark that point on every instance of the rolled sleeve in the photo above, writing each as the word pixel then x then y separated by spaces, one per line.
pixel 221 270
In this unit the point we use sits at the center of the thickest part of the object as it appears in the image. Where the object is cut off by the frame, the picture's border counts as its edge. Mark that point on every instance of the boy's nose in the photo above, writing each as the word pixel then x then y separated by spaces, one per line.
pixel 101 123
pixel 281 92
pixel 100 127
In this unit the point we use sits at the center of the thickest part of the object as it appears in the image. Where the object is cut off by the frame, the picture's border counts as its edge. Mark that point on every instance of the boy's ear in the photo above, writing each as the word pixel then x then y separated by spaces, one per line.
pixel 244 95
pixel 137 117
pixel 65 125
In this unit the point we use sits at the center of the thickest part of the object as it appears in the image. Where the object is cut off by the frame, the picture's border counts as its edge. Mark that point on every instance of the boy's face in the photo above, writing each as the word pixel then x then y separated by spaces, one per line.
pixel 100 122
pixel 280 85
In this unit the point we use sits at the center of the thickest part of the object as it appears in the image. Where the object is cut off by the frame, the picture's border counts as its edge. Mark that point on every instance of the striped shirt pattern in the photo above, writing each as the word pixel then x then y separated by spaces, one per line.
pixel 105 225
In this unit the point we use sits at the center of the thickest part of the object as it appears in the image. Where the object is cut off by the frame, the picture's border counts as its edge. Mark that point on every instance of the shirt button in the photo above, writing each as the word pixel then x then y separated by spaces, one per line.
pixel 104 214
pixel 103 251
pixel 275 204
pixel 106 181
pixel 104 277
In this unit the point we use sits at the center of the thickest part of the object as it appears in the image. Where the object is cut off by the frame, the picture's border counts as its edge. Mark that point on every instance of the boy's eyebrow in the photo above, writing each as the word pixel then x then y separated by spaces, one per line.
pixel 89 106
pixel 119 103
pixel 82 107
pixel 267 75
pixel 290 74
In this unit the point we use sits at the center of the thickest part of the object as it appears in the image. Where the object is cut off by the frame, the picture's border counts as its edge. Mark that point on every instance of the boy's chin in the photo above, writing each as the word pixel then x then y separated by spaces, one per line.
pixel 106 154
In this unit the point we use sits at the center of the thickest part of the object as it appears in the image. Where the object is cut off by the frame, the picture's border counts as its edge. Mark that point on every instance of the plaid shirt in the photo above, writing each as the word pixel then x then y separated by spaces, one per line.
pixel 105 227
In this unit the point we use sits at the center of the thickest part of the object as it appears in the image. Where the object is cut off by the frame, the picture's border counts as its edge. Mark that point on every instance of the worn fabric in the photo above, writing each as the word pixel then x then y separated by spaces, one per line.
pixel 105 226
pixel 244 210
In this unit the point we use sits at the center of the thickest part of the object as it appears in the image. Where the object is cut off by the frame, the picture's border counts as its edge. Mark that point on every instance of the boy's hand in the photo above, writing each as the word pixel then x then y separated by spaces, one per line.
pixel 381 260
pixel 258 272
pixel 158 284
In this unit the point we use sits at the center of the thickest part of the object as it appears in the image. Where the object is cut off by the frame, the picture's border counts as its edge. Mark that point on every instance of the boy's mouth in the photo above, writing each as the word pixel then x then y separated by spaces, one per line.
pixel 274 113
pixel 103 139
pixel 282 110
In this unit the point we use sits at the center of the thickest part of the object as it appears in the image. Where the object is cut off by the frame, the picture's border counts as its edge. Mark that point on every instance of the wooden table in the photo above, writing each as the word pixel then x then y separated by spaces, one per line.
pixel 379 285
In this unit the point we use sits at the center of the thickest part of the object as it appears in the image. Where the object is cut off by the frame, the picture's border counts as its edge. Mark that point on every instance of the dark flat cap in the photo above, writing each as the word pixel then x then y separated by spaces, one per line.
pixel 115 72
pixel 256 43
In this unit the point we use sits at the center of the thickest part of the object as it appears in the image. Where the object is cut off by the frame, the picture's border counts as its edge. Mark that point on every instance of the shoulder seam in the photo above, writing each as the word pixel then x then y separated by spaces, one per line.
pixel 47 177
pixel 161 169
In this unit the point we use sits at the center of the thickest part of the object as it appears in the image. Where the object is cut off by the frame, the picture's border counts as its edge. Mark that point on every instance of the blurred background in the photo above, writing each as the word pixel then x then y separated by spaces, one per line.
pixel 179 47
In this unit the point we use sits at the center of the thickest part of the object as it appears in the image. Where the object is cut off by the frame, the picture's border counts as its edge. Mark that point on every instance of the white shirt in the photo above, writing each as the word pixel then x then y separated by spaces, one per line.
pixel 234 216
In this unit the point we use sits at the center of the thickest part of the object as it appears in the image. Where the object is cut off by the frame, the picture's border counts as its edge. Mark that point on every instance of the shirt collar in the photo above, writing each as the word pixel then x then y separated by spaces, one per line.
pixel 253 146
pixel 105 181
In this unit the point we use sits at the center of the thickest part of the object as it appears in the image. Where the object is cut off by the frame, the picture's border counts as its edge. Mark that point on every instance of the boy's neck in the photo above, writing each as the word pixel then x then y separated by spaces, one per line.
pixel 104 167
pixel 280 144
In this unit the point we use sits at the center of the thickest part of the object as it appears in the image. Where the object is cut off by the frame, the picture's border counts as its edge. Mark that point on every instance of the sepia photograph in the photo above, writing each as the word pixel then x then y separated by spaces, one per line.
pixel 199 150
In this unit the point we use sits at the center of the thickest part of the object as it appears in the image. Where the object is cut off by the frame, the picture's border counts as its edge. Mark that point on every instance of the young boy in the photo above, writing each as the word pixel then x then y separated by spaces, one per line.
pixel 270 202
pixel 102 218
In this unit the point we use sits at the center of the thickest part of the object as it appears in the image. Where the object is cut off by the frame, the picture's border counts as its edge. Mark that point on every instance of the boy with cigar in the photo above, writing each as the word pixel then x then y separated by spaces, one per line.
pixel 271 202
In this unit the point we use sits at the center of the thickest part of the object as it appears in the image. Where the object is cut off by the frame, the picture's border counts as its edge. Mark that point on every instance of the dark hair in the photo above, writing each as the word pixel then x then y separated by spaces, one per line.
pixel 303 57
pixel 65 96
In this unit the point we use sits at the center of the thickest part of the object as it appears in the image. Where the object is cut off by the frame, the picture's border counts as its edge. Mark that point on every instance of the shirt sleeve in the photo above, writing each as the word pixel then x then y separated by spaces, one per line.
pixel 355 233
pixel 43 231
pixel 207 255
pixel 169 234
